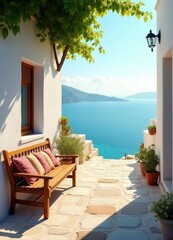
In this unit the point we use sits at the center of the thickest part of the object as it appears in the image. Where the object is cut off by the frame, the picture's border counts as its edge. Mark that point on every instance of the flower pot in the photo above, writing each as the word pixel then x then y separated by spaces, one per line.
pixel 152 131
pixel 166 228
pixel 66 161
pixel 152 178
pixel 142 168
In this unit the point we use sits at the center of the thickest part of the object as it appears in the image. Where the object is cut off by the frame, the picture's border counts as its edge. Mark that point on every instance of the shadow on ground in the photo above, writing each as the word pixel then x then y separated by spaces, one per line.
pixel 116 208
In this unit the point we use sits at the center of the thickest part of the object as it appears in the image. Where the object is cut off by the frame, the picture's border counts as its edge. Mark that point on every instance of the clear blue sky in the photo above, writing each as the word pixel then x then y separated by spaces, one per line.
pixel 127 67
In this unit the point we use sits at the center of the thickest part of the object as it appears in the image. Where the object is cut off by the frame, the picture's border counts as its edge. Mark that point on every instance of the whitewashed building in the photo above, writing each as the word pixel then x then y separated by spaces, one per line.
pixel 30 97
pixel 163 139
pixel 165 92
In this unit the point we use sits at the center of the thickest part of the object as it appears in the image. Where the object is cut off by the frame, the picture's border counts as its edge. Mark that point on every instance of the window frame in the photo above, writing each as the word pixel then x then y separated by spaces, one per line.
pixel 28 129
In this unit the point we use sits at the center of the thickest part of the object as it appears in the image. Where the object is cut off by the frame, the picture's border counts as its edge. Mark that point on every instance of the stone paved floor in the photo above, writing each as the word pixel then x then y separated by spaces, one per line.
pixel 110 202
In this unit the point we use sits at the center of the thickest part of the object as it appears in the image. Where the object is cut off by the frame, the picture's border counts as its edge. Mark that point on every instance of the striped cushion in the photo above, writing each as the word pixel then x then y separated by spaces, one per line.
pixel 48 159
pixel 53 158
pixel 34 161
pixel 43 161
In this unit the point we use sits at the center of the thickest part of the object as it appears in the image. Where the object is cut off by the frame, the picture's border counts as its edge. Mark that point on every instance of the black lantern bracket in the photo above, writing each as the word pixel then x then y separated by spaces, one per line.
pixel 159 37
pixel 152 38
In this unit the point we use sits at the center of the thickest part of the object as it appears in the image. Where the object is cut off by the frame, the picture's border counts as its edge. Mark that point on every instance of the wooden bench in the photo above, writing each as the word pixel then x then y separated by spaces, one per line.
pixel 44 186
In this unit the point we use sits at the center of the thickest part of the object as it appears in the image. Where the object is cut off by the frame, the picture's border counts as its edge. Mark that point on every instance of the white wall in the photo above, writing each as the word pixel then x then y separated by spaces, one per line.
pixel 47 96
pixel 151 139
pixel 164 80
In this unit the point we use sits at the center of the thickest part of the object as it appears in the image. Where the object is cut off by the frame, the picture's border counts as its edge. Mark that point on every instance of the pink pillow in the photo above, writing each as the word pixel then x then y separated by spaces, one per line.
pixel 42 160
pixel 23 165
pixel 52 157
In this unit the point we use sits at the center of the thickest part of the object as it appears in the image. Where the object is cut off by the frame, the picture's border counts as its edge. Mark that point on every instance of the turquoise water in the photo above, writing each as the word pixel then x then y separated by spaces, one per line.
pixel 116 128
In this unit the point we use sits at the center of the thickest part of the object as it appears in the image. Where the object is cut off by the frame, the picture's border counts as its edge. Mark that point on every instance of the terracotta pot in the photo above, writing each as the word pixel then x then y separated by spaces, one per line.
pixel 66 161
pixel 63 122
pixel 142 168
pixel 152 178
pixel 152 131
pixel 166 228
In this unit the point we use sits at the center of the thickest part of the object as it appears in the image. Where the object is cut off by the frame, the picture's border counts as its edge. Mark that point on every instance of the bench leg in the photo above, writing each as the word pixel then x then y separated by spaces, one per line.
pixel 46 207
pixel 46 198
pixel 74 178
pixel 12 204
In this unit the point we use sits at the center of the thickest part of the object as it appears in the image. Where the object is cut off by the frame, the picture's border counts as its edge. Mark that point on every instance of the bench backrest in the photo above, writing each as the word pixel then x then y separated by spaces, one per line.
pixel 9 155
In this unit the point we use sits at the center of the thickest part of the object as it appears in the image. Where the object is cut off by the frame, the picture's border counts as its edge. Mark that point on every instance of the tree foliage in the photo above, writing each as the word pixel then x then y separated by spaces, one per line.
pixel 71 26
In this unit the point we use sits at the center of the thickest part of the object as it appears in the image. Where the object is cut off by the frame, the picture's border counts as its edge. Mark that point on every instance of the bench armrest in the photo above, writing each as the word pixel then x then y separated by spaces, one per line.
pixel 32 175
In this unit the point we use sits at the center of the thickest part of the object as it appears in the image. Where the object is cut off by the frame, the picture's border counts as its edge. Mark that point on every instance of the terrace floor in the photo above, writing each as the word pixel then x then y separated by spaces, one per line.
pixel 111 201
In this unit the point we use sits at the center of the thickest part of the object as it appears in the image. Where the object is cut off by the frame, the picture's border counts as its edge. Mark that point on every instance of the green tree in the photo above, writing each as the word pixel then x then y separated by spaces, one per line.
pixel 72 26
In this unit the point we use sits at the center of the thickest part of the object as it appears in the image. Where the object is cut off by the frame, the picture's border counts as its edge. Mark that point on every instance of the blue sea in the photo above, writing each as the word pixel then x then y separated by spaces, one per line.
pixel 115 128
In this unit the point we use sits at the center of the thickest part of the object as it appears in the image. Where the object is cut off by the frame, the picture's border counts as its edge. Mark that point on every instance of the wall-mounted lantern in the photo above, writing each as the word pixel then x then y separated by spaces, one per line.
pixel 152 38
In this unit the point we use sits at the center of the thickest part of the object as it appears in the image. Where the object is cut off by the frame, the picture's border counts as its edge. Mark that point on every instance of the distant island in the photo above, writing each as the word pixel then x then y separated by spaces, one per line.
pixel 143 95
pixel 70 95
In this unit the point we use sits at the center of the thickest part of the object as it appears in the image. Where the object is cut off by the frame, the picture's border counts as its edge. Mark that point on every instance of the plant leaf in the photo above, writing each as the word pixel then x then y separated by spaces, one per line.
pixel 4 32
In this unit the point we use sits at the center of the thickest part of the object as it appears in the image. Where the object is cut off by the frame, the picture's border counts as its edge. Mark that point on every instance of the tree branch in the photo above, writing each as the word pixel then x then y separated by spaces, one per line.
pixel 59 64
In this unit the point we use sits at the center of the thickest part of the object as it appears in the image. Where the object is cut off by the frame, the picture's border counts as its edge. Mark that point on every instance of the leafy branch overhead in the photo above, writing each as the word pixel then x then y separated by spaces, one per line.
pixel 71 26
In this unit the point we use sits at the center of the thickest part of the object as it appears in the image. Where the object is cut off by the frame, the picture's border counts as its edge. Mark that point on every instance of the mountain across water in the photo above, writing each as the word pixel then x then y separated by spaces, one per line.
pixel 70 95
pixel 144 95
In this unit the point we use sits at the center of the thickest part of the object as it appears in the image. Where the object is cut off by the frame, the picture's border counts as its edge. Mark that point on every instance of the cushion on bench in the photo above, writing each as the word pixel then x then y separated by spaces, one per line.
pixel 23 165
pixel 37 165
pixel 48 159
pixel 43 161
pixel 55 161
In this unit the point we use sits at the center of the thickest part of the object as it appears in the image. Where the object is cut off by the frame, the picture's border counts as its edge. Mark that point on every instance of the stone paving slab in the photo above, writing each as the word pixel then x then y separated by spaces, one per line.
pixel 132 235
pixel 108 180
pixel 134 208
pixel 139 191
pixel 112 175
pixel 86 184
pixel 87 179
pixel 101 200
pixel 96 222
pixel 128 222
pixel 110 185
pixel 138 198
pixel 130 186
pixel 86 212
pixel 72 200
pixel 71 210
pixel 84 235
pixel 80 191
pixel 107 192
pixel 101 209
pixel 62 221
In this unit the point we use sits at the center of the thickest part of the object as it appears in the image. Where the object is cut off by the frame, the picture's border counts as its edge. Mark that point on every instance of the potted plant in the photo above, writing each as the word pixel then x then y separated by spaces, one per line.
pixel 69 145
pixel 152 129
pixel 140 158
pixel 163 210
pixel 152 160
pixel 63 121
pixel 65 128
